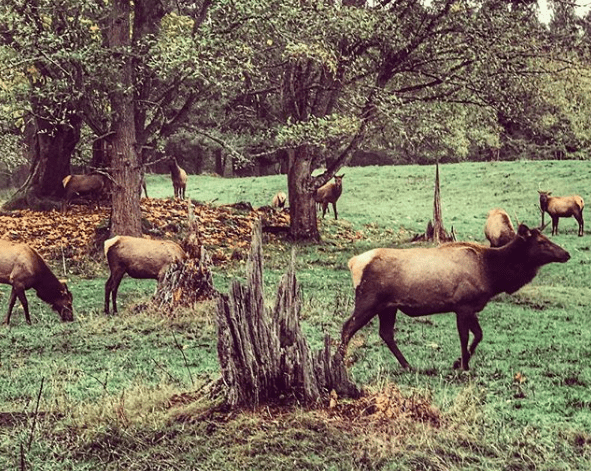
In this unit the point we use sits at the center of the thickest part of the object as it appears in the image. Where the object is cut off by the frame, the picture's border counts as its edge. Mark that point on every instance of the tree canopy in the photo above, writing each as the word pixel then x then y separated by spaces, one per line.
pixel 308 81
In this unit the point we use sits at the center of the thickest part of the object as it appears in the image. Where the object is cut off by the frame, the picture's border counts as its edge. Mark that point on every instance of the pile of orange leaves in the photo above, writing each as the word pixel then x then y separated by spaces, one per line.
pixel 222 229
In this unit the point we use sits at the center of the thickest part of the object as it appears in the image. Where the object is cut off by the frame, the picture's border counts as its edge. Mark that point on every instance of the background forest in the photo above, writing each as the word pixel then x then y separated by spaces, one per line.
pixel 259 87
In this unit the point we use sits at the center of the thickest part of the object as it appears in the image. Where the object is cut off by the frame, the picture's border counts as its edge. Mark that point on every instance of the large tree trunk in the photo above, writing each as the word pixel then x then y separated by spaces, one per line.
pixel 126 212
pixel 49 148
pixel 302 208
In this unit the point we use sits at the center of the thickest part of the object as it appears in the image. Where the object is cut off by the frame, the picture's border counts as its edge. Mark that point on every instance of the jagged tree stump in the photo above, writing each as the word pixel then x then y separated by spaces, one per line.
pixel 188 281
pixel 263 354
pixel 435 231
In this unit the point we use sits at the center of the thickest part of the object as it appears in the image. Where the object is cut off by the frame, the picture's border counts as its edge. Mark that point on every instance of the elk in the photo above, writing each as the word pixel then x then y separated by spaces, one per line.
pixel 23 268
pixel 179 179
pixel 458 277
pixel 92 184
pixel 498 228
pixel 143 185
pixel 330 193
pixel 139 258
pixel 279 200
pixel 562 207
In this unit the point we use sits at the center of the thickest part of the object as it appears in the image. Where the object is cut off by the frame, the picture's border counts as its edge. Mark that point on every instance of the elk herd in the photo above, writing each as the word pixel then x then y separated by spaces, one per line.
pixel 458 277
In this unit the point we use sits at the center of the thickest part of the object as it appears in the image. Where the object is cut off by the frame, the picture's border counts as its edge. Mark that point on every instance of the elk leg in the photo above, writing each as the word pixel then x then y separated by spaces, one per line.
pixel 111 287
pixel 579 218
pixel 476 331
pixel 23 299
pixel 463 324
pixel 362 314
pixel 387 321
pixel 11 302
pixel 555 225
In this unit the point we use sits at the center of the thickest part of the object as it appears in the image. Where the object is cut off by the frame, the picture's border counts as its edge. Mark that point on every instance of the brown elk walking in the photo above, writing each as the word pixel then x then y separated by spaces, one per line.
pixel 139 258
pixel 330 193
pixel 92 184
pixel 562 207
pixel 279 200
pixel 498 228
pixel 458 277
pixel 23 268
pixel 179 179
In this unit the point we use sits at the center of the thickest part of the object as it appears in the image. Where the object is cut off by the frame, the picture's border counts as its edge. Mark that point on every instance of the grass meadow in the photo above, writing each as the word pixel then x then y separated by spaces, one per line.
pixel 130 392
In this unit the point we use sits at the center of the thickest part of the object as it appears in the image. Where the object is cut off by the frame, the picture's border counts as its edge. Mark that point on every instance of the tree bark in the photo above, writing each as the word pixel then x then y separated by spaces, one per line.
pixel 126 170
pixel 50 147
pixel 302 208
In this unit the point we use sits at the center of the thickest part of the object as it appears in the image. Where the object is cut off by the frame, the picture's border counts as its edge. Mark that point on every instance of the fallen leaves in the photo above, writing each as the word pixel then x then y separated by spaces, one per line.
pixel 222 229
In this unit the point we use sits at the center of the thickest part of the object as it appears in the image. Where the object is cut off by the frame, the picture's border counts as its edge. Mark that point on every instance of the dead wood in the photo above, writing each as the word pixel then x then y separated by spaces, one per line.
pixel 190 280
pixel 435 231
pixel 264 356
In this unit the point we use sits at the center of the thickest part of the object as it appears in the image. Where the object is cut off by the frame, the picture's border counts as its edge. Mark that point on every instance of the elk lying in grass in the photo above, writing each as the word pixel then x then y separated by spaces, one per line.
pixel 139 258
pixel 458 277
pixel 279 200
pixel 179 179
pixel 330 193
pixel 92 185
pixel 23 268
pixel 562 207
pixel 498 228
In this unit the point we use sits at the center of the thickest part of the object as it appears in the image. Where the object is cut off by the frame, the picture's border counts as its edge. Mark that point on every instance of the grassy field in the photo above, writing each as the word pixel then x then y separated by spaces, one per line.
pixel 130 392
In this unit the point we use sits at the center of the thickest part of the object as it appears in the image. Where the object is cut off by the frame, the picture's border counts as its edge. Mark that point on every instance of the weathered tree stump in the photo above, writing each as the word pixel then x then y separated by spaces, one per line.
pixel 187 281
pixel 264 356
pixel 435 231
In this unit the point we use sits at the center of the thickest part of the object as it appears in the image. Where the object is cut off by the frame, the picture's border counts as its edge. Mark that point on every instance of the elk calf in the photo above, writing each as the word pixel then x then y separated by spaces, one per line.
pixel 498 229
pixel 330 193
pixel 279 200
pixel 458 277
pixel 139 258
pixel 179 179
pixel 561 207
pixel 23 268
pixel 92 184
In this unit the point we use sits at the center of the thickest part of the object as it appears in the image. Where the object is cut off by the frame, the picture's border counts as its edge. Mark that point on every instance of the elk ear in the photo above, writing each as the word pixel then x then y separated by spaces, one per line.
pixel 523 231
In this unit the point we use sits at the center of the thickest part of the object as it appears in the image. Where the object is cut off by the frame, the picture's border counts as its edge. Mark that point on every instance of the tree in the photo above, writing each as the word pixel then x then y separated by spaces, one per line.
pixel 105 71
pixel 40 97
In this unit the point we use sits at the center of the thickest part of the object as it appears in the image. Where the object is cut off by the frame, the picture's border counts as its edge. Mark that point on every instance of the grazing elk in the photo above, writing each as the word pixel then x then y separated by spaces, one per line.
pixel 458 277
pixel 562 207
pixel 179 179
pixel 279 200
pixel 92 184
pixel 143 186
pixel 139 258
pixel 23 268
pixel 498 228
pixel 330 193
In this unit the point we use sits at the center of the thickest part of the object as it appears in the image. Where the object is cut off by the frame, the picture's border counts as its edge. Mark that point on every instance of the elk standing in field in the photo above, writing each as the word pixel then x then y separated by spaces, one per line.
pixel 179 179
pixel 562 207
pixel 23 268
pixel 498 229
pixel 92 185
pixel 458 277
pixel 330 193
pixel 279 200
pixel 139 258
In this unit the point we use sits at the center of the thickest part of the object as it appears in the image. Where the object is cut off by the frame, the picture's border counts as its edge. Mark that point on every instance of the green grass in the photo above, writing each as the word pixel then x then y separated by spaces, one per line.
pixel 128 391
